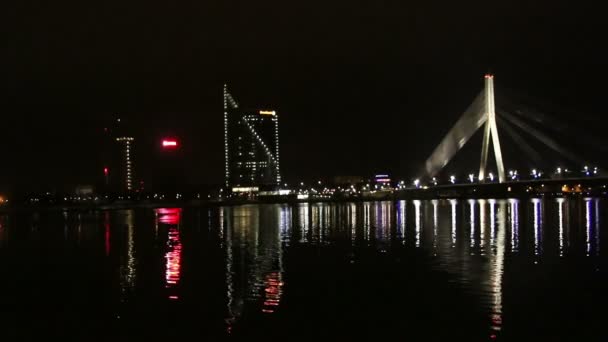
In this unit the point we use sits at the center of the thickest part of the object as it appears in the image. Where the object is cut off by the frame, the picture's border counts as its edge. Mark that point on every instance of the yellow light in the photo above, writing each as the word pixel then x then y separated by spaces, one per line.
pixel 267 112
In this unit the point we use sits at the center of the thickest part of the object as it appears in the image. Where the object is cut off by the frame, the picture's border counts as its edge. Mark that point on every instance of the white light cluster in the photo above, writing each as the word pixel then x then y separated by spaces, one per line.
pixel 128 165
pixel 276 136
pixel 226 167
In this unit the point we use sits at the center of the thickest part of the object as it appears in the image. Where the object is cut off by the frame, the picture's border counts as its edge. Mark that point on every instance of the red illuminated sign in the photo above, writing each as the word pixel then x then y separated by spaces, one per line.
pixel 169 143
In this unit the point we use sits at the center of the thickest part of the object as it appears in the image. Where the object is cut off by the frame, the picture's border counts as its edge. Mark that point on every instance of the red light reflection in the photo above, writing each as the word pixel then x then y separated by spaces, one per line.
pixel 106 225
pixel 169 215
pixel 174 259
pixel 272 292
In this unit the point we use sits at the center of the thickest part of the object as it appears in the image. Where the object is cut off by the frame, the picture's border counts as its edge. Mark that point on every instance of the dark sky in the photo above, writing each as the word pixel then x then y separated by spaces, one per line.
pixel 360 87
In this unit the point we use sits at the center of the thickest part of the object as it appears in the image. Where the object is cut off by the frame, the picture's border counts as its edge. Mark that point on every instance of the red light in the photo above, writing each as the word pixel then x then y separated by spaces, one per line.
pixel 169 215
pixel 106 171
pixel 169 143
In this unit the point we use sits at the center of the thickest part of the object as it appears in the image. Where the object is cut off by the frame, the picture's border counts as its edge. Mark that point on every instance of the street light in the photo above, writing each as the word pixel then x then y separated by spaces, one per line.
pixel 417 183
pixel 471 177
pixel 453 179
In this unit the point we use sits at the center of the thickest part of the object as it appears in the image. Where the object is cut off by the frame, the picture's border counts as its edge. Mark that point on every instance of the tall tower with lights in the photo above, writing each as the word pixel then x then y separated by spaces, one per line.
pixel 251 146
pixel 118 154
pixel 126 144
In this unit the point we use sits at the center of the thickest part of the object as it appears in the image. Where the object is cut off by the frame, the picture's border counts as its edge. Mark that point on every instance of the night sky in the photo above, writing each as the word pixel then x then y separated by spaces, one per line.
pixel 360 87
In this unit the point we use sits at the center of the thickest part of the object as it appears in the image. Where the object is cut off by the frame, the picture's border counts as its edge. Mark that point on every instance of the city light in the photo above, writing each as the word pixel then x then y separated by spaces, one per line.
pixel 168 143
pixel 471 177
pixel 491 176
pixel 417 183
pixel 535 173
pixel 453 179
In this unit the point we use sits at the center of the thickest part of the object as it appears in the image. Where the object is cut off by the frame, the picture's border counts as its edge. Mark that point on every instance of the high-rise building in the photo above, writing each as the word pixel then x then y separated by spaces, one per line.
pixel 251 147
pixel 116 157
pixel 125 172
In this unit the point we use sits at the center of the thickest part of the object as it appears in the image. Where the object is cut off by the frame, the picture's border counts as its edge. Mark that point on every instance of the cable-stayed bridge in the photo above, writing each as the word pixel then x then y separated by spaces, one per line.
pixel 495 122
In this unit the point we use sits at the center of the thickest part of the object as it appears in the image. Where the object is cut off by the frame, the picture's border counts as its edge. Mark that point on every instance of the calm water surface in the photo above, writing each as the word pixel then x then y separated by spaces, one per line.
pixel 471 270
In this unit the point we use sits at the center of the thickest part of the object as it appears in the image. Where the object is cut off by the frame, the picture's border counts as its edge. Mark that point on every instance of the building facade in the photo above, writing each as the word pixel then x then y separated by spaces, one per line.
pixel 125 171
pixel 251 147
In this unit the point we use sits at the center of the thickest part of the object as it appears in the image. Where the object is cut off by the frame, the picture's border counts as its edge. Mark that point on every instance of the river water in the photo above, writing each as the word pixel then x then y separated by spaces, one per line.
pixel 470 270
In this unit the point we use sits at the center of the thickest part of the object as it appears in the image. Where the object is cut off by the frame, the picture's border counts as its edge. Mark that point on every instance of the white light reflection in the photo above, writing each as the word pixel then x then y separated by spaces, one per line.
pixel 227 244
pixel 417 222
pixel 588 226
pixel 128 270
pixel 304 223
pixel 560 213
pixel 435 224
pixel 514 219
pixel 401 220
pixel 482 225
pixel 317 221
pixel 366 220
pixel 597 227
pixel 497 270
pixel 285 224
pixel 537 226
pixel 353 221
pixel 453 211
pixel 472 221
pixel 492 222
pixel 382 210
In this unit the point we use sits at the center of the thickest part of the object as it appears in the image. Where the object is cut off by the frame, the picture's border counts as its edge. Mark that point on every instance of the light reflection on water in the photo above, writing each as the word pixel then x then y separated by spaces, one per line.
pixel 474 242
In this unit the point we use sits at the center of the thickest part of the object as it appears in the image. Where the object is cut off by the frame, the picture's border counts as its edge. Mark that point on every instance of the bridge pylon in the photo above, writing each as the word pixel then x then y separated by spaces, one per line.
pixel 482 112
pixel 490 130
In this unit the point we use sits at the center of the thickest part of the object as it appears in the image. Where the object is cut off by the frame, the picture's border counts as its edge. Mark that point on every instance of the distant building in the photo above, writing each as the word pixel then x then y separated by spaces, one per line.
pixel 125 172
pixel 117 158
pixel 84 190
pixel 251 147
pixel 382 179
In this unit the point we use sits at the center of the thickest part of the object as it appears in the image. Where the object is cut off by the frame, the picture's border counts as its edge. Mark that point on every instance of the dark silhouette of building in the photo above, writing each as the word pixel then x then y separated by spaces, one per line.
pixel 251 147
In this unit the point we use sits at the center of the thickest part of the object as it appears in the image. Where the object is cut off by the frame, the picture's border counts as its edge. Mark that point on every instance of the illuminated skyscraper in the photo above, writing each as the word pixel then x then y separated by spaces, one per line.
pixel 116 156
pixel 251 146
pixel 126 170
